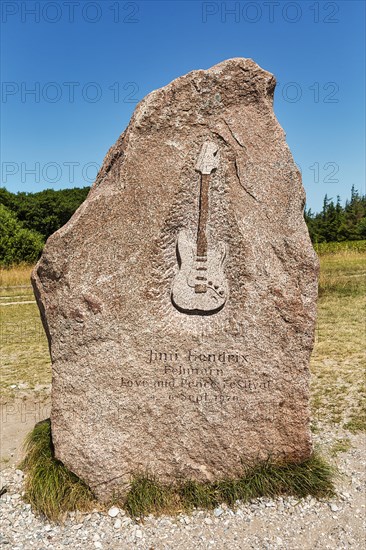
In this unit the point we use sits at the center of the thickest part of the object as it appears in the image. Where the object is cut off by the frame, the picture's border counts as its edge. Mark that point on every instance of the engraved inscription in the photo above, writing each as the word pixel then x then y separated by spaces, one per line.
pixel 193 356
pixel 197 377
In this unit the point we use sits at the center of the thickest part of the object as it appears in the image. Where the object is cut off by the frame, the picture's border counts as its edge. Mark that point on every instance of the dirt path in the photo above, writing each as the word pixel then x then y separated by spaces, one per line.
pixel 18 417
pixel 17 303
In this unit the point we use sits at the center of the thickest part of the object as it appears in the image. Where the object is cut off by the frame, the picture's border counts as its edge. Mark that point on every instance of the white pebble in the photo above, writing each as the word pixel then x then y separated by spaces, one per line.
pixel 117 524
pixel 334 507
pixel 113 512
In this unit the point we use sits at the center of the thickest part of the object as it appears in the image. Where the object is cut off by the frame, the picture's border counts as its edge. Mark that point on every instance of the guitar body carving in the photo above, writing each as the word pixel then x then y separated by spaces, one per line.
pixel 200 286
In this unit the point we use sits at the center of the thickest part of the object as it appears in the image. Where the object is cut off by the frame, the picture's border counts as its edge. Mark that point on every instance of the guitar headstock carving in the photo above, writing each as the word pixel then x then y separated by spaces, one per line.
pixel 208 159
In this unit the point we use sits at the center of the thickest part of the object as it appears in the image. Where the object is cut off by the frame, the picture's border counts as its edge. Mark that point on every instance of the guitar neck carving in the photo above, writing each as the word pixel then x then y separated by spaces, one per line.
pixel 203 216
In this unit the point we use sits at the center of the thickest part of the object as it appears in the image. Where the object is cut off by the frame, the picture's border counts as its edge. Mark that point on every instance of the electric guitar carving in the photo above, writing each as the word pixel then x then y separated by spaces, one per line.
pixel 200 286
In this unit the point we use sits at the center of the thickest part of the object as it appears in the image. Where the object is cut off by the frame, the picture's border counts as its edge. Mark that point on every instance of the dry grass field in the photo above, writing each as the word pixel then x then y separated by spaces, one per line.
pixel 338 385
pixel 25 361
pixel 338 359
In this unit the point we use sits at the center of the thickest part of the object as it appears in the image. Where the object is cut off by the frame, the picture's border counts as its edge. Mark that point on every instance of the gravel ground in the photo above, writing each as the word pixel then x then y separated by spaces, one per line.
pixel 262 524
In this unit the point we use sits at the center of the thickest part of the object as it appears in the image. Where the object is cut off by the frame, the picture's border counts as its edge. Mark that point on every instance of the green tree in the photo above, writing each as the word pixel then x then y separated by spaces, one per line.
pixel 17 244
pixel 46 211
pixel 355 212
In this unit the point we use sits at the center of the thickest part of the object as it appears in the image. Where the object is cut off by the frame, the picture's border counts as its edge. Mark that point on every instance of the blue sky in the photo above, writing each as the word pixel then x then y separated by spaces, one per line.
pixel 89 62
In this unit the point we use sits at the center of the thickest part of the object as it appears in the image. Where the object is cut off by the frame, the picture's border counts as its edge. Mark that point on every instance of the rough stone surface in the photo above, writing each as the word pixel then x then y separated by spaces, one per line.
pixel 139 385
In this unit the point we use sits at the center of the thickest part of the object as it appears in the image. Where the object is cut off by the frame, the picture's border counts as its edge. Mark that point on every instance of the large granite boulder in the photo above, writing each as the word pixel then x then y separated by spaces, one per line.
pixel 180 299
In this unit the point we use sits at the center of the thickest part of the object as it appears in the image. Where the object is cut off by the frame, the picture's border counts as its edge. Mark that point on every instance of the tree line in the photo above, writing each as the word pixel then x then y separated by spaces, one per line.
pixel 28 219
pixel 336 222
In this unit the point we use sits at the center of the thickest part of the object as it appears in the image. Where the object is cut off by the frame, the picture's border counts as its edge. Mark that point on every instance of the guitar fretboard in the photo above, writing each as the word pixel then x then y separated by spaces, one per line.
pixel 203 216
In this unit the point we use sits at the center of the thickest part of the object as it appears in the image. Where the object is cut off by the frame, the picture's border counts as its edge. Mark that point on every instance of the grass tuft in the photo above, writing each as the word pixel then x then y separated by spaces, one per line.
pixel 50 487
pixel 53 490
pixel 340 446
pixel 147 495
pixel 193 494
pixel 356 425
pixel 312 477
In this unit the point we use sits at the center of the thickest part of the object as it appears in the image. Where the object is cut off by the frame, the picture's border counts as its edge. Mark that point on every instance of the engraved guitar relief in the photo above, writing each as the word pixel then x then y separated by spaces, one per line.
pixel 200 286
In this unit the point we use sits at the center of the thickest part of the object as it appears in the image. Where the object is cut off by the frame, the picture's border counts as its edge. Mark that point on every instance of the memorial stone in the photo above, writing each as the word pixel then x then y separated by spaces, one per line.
pixel 179 301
